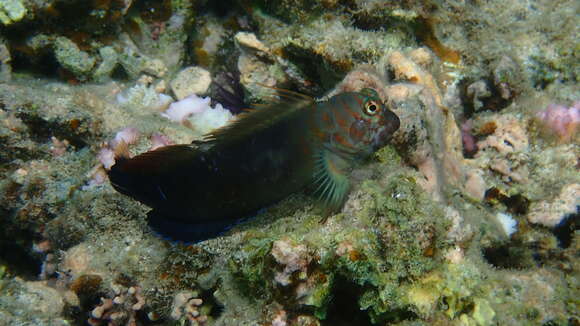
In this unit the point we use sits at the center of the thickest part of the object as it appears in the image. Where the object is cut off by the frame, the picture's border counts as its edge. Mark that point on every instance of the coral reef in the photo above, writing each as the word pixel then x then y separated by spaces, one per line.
pixel 469 217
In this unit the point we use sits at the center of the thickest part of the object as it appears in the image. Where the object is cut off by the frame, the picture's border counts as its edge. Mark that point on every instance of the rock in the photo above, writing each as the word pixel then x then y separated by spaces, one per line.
pixel 430 133
pixel 109 60
pixel 191 80
pixel 254 73
pixel 48 300
pixel 250 41
pixel 72 58
pixel 475 185
pixel 551 213
pixel 5 68
pixel 504 76
pixel 477 92
pixel 293 257
pixel 508 135
pixel 208 41
pixel 154 67
pixel 11 11
pixel 31 303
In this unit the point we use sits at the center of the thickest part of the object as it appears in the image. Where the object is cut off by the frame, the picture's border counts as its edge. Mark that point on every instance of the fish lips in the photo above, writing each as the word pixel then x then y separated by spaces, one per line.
pixel 389 124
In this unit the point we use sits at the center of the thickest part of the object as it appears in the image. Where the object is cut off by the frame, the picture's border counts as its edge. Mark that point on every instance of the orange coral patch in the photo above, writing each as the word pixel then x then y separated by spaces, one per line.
pixel 426 34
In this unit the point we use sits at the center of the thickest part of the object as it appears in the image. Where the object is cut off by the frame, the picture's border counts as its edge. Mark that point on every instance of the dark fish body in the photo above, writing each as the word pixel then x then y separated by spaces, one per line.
pixel 259 159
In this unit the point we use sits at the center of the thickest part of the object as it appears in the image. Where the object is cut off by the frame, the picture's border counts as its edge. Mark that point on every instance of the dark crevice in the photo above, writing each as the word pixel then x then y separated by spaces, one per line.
pixel 120 74
pixel 42 130
pixel 20 261
pixel 316 69
pixel 510 255
pixel 515 204
pixel 10 154
pixel 44 64
pixel 222 8
pixel 565 230
pixel 209 299
pixel 343 309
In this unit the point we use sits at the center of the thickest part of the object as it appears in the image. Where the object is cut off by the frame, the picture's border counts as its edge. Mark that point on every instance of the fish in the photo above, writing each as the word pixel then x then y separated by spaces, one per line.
pixel 200 190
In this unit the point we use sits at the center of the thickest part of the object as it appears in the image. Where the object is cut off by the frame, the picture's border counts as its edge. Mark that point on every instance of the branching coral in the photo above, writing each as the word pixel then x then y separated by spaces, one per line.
pixel 187 307
pixel 120 310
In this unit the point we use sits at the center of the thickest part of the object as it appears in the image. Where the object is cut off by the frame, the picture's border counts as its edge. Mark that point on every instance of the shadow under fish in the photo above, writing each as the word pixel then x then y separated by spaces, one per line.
pixel 198 191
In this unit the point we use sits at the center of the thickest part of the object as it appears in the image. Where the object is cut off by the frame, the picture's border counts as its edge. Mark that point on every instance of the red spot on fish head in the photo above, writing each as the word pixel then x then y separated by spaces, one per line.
pixel 339 139
pixel 326 120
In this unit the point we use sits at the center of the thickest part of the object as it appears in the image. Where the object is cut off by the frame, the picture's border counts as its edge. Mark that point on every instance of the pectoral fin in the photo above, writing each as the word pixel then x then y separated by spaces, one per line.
pixel 331 179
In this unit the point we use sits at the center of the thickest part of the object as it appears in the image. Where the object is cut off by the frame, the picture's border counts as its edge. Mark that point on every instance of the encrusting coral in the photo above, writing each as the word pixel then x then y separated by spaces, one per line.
pixel 561 120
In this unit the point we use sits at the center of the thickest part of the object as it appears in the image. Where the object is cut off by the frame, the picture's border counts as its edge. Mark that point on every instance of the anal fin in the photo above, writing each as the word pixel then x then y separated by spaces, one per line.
pixel 187 233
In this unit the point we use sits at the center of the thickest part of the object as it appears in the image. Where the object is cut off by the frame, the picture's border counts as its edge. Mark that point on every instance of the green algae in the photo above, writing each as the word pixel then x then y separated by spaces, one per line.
pixel 390 242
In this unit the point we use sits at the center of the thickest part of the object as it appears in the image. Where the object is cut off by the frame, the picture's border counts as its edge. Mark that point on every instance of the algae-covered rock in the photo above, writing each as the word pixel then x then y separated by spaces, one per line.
pixel 191 81
pixel 109 60
pixel 418 241
pixel 386 237
pixel 72 58
pixel 33 303
pixel 11 11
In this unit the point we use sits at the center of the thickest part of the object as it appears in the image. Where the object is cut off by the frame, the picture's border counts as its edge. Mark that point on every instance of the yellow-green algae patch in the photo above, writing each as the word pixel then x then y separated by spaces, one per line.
pixel 389 236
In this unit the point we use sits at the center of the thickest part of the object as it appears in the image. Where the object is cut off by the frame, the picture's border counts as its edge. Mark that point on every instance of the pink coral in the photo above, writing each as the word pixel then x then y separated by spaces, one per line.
pixel 128 135
pixel 117 145
pixel 181 110
pixel 122 309
pixel 186 306
pixel 561 120
pixel 159 140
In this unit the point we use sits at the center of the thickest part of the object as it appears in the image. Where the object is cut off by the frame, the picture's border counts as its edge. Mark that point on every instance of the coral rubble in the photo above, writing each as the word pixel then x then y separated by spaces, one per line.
pixel 469 217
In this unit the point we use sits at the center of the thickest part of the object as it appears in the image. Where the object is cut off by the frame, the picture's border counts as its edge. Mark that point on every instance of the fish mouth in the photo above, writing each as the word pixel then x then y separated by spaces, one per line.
pixel 389 125
pixel 392 122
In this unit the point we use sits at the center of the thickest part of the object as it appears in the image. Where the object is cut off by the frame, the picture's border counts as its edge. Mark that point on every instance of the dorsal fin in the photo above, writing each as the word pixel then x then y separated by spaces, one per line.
pixel 247 122
pixel 287 94
pixel 158 160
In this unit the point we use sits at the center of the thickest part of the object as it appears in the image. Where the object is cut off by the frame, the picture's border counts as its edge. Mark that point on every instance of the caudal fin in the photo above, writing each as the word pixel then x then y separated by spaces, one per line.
pixel 149 177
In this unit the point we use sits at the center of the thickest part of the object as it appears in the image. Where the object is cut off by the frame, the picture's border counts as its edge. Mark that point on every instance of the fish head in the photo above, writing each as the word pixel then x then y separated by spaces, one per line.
pixel 358 123
pixel 382 122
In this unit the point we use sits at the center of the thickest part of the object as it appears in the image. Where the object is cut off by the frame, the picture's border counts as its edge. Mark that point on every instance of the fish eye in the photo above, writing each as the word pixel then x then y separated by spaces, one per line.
pixel 371 107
